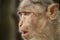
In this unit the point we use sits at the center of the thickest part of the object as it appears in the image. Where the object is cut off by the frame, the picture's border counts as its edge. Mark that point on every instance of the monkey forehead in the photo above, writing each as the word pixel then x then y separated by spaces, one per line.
pixel 32 8
pixel 25 10
pixel 27 5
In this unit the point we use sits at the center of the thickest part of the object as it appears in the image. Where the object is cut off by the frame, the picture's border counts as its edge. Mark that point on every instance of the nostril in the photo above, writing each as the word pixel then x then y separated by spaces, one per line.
pixel 21 23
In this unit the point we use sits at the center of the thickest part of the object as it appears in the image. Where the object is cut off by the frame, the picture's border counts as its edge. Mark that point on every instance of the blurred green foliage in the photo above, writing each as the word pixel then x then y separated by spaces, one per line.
pixel 7 25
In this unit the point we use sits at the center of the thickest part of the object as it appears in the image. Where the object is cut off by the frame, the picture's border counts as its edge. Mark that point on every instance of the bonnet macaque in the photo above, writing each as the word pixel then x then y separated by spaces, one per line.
pixel 39 20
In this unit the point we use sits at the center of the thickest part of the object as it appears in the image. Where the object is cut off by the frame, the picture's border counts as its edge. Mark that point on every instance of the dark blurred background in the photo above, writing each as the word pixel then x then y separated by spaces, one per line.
pixel 9 19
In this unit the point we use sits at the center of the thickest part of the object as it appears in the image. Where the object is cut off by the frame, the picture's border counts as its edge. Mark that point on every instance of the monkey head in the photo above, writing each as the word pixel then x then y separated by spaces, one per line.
pixel 34 19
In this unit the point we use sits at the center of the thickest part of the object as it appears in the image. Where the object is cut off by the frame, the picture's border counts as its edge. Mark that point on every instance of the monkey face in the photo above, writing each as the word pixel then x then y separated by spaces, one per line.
pixel 30 23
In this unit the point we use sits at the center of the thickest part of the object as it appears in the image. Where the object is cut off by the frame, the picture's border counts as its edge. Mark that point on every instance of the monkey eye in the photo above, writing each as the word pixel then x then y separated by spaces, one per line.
pixel 26 13
pixel 19 14
pixel 23 13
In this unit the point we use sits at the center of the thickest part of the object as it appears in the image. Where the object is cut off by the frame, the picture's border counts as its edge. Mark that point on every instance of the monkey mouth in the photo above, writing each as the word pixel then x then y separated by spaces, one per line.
pixel 25 33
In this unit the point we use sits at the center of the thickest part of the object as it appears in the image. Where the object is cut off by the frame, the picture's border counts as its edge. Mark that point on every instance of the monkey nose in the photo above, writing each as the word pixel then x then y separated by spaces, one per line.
pixel 20 24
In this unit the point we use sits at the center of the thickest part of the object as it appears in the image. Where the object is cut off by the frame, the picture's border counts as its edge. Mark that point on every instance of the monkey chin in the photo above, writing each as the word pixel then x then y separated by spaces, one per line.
pixel 30 37
pixel 25 36
pixel 33 38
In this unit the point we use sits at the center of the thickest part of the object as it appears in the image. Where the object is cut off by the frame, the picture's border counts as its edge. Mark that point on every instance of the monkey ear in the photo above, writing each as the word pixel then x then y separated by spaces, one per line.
pixel 52 11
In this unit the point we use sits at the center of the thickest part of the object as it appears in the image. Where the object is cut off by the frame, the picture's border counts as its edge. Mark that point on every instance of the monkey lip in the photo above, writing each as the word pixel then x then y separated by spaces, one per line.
pixel 25 33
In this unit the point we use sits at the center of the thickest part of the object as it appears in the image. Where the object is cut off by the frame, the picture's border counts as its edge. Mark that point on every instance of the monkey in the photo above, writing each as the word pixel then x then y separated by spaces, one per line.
pixel 39 20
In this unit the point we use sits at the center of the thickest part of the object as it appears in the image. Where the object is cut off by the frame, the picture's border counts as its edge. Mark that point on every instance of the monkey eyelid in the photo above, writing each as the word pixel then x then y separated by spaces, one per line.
pixel 25 13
